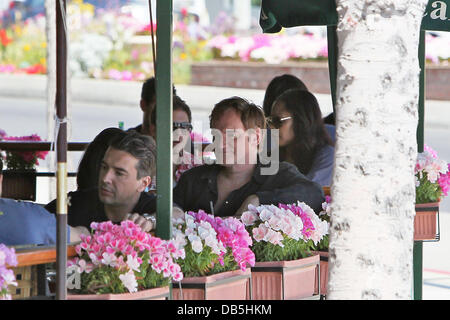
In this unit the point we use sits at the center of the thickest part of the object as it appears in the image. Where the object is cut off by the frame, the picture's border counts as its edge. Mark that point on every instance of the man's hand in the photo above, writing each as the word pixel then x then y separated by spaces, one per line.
pixel 252 199
pixel 177 213
pixel 146 225
pixel 75 233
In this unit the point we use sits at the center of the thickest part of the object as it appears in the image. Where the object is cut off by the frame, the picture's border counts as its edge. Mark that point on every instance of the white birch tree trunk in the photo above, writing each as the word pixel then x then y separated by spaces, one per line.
pixel 373 190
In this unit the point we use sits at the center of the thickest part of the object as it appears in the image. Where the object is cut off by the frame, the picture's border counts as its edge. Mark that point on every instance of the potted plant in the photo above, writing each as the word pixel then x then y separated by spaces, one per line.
pixel 7 277
pixel 283 237
pixel 20 176
pixel 122 262
pixel 432 184
pixel 217 254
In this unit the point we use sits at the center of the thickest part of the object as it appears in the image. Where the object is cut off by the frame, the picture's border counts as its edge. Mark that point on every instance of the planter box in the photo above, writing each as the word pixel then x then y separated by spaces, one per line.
pixel 323 274
pixel 285 280
pixel 231 285
pixel 149 294
pixel 257 75
pixel 425 221
pixel 19 184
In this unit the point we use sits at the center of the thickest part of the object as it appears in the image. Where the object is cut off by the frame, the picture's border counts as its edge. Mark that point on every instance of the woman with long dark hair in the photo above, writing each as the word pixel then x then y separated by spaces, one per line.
pixel 303 138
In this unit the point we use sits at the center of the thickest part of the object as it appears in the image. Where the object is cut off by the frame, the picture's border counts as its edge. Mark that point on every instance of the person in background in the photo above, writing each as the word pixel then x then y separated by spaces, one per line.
pixel 147 104
pixel 303 138
pixel 182 125
pixel 125 172
pixel 27 223
pixel 277 86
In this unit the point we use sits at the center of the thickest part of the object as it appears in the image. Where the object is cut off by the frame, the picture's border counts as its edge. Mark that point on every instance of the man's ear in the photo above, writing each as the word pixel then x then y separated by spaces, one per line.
pixel 144 183
pixel 143 105
pixel 258 135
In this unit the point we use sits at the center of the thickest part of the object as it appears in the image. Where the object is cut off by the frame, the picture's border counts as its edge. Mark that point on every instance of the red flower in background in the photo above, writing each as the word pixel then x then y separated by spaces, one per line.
pixel 149 29
pixel 35 69
pixel 25 159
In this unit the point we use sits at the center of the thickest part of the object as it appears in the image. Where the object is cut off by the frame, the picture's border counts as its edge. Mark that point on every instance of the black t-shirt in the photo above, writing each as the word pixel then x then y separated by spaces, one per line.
pixel 85 207
pixel 197 189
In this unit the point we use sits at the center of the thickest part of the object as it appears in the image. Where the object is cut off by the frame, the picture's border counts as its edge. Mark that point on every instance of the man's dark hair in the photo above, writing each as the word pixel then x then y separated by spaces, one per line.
pixel 252 116
pixel 177 104
pixel 1 166
pixel 277 86
pixel 141 147
pixel 148 93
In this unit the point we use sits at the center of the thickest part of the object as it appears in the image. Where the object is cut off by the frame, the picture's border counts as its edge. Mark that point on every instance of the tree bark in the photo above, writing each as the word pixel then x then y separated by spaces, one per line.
pixel 373 190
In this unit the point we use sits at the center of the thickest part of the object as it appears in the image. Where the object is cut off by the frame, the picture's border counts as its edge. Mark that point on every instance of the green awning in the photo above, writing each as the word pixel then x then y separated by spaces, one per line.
pixel 276 14
pixel 437 16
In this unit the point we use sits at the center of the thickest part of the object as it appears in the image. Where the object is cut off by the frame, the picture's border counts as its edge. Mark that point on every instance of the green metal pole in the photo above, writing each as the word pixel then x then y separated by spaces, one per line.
pixel 164 118
pixel 418 245
pixel 332 62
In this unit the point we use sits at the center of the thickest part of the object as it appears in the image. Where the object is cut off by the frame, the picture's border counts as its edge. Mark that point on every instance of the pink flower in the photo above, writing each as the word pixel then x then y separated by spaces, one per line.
pixel 260 232
pixel 249 218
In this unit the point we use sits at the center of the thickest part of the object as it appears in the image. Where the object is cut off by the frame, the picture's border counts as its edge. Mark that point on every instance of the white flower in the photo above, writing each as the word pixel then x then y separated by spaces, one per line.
pixel 109 259
pixel 129 281
pixel 133 263
pixel 249 217
pixel 265 214
pixel 197 246
pixel 196 243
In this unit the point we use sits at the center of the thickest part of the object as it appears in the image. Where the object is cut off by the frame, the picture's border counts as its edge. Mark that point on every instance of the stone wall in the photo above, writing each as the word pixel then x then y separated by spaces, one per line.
pixel 255 75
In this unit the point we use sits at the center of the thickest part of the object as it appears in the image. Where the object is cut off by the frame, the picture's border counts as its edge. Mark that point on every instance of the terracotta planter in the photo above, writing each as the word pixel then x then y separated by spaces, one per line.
pixel 285 280
pixel 19 184
pixel 323 274
pixel 149 294
pixel 231 285
pixel 425 221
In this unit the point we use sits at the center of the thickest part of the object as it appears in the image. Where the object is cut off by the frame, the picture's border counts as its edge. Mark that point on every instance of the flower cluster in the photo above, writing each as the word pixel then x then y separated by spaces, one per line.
pixel 286 232
pixel 272 49
pixel 233 235
pixel 325 215
pixel 326 209
pixel 432 176
pixel 7 278
pixel 121 258
pixel 212 244
pixel 23 160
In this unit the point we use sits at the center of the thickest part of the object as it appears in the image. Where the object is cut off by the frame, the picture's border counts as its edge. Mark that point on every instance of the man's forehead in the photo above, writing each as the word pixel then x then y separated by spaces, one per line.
pixel 229 119
pixel 120 158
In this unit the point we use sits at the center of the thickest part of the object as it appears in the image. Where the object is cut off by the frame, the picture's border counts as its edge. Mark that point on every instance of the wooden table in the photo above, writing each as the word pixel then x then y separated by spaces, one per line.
pixel 31 266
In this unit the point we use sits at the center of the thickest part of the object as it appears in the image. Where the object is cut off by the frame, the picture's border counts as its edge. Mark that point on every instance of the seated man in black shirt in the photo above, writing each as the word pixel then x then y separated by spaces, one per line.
pixel 125 173
pixel 238 178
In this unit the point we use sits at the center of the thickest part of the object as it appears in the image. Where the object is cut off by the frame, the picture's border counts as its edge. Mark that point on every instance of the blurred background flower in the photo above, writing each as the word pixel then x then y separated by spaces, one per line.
pixel 111 39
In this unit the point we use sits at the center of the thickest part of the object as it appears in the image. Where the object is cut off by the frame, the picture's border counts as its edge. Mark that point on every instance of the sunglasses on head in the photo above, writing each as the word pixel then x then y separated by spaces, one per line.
pixel 276 121
pixel 182 125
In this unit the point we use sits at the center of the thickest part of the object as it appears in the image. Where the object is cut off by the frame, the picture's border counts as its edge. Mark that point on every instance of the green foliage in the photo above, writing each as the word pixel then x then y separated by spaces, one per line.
pixel 292 250
pixel 427 191
pixel 198 264
pixel 105 279
pixel 323 244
